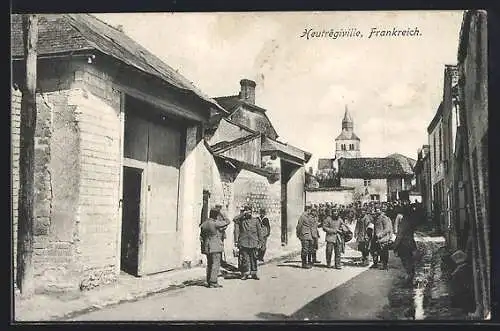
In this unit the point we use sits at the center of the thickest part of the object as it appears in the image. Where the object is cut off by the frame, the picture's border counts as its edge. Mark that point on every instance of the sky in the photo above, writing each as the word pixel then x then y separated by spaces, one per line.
pixel 392 86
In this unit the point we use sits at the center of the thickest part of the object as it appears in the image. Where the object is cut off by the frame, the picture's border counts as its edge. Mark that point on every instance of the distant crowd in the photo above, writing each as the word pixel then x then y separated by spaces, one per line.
pixel 376 228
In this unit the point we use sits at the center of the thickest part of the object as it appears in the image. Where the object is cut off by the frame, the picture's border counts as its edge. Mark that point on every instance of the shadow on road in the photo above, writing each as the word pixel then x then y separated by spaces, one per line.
pixel 368 296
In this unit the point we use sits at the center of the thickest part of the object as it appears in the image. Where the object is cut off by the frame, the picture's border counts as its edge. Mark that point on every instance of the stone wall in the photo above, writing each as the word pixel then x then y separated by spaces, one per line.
pixel 255 190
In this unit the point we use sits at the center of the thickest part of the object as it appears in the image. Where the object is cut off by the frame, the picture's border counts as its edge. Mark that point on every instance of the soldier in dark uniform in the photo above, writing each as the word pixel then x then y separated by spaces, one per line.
pixel 211 231
pixel 312 257
pixel 222 217
pixel 306 232
pixel 361 235
pixel 332 226
pixel 249 239
pixel 266 228
pixel 237 219
pixel 382 235
pixel 405 245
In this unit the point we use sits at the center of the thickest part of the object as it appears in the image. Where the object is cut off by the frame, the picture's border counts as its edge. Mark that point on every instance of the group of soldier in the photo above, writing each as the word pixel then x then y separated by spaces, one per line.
pixel 376 228
pixel 250 240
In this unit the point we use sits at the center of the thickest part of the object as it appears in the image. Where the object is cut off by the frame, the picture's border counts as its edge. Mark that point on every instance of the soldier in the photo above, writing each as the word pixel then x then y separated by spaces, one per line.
pixel 332 226
pixel 405 246
pixel 361 235
pixel 382 236
pixel 211 231
pixel 305 232
pixel 222 217
pixel 249 238
pixel 312 257
pixel 243 213
pixel 266 228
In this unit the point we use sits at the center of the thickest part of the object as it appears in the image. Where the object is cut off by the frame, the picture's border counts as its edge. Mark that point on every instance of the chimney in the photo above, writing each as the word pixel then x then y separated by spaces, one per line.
pixel 247 92
pixel 119 28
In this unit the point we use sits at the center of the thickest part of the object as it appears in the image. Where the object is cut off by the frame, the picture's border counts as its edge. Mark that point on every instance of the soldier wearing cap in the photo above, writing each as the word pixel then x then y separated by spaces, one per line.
pixel 306 231
pixel 382 236
pixel 266 227
pixel 361 235
pixel 332 226
pixel 248 239
pixel 211 234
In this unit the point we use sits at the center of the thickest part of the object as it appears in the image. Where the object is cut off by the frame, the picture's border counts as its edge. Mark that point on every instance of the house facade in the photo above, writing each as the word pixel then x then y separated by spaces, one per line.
pixel 119 156
pixel 435 134
pixel 472 169
pixel 450 125
pixel 374 179
pixel 256 168
pixel 423 179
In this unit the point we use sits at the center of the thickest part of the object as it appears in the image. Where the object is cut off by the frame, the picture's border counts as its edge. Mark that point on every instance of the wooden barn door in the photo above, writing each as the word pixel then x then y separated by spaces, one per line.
pixel 159 246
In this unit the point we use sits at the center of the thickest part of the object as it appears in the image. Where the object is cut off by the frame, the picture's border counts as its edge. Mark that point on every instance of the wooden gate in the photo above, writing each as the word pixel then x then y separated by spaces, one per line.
pixel 156 147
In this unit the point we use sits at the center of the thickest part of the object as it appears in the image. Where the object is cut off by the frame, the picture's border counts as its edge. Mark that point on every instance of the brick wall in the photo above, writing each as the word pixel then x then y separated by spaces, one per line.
pixel 256 190
pixel 98 117
pixel 15 122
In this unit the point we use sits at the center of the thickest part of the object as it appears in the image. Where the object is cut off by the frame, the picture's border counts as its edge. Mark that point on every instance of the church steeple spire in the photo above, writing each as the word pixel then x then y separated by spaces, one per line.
pixel 347 123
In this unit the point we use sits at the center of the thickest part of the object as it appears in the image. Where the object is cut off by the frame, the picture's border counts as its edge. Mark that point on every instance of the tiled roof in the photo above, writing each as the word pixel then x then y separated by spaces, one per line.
pixel 407 163
pixel 347 135
pixel 273 145
pixel 70 33
pixel 370 168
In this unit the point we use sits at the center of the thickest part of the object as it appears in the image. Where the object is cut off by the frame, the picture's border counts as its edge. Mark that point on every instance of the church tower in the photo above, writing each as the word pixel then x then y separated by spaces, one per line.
pixel 347 144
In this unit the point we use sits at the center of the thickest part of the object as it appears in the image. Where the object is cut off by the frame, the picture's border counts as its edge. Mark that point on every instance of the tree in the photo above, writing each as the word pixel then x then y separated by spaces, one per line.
pixel 327 177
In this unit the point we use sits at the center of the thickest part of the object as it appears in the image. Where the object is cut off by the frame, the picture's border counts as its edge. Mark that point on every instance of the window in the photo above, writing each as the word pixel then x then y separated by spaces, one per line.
pixel 375 197
pixel 351 147
pixel 367 182
pixel 342 147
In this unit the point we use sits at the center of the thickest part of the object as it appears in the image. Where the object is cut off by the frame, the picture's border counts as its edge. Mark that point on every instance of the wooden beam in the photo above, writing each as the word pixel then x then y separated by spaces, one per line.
pixel 27 159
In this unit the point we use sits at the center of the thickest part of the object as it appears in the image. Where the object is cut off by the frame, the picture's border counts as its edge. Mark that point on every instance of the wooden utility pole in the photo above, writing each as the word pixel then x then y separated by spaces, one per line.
pixel 27 158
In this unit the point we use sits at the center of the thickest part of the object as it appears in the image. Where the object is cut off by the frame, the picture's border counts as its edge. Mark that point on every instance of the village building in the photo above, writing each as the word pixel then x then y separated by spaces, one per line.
pixel 450 124
pixel 422 171
pixel 435 134
pixel 347 144
pixel 349 177
pixel 375 179
pixel 471 162
pixel 121 164
pixel 256 169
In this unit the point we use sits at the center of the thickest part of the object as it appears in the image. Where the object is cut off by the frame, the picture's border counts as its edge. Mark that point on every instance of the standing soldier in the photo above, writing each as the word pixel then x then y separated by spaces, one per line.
pixel 382 236
pixel 237 220
pixel 248 238
pixel 332 226
pixel 305 232
pixel 361 235
pixel 312 257
pixel 266 228
pixel 405 245
pixel 223 218
pixel 211 231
